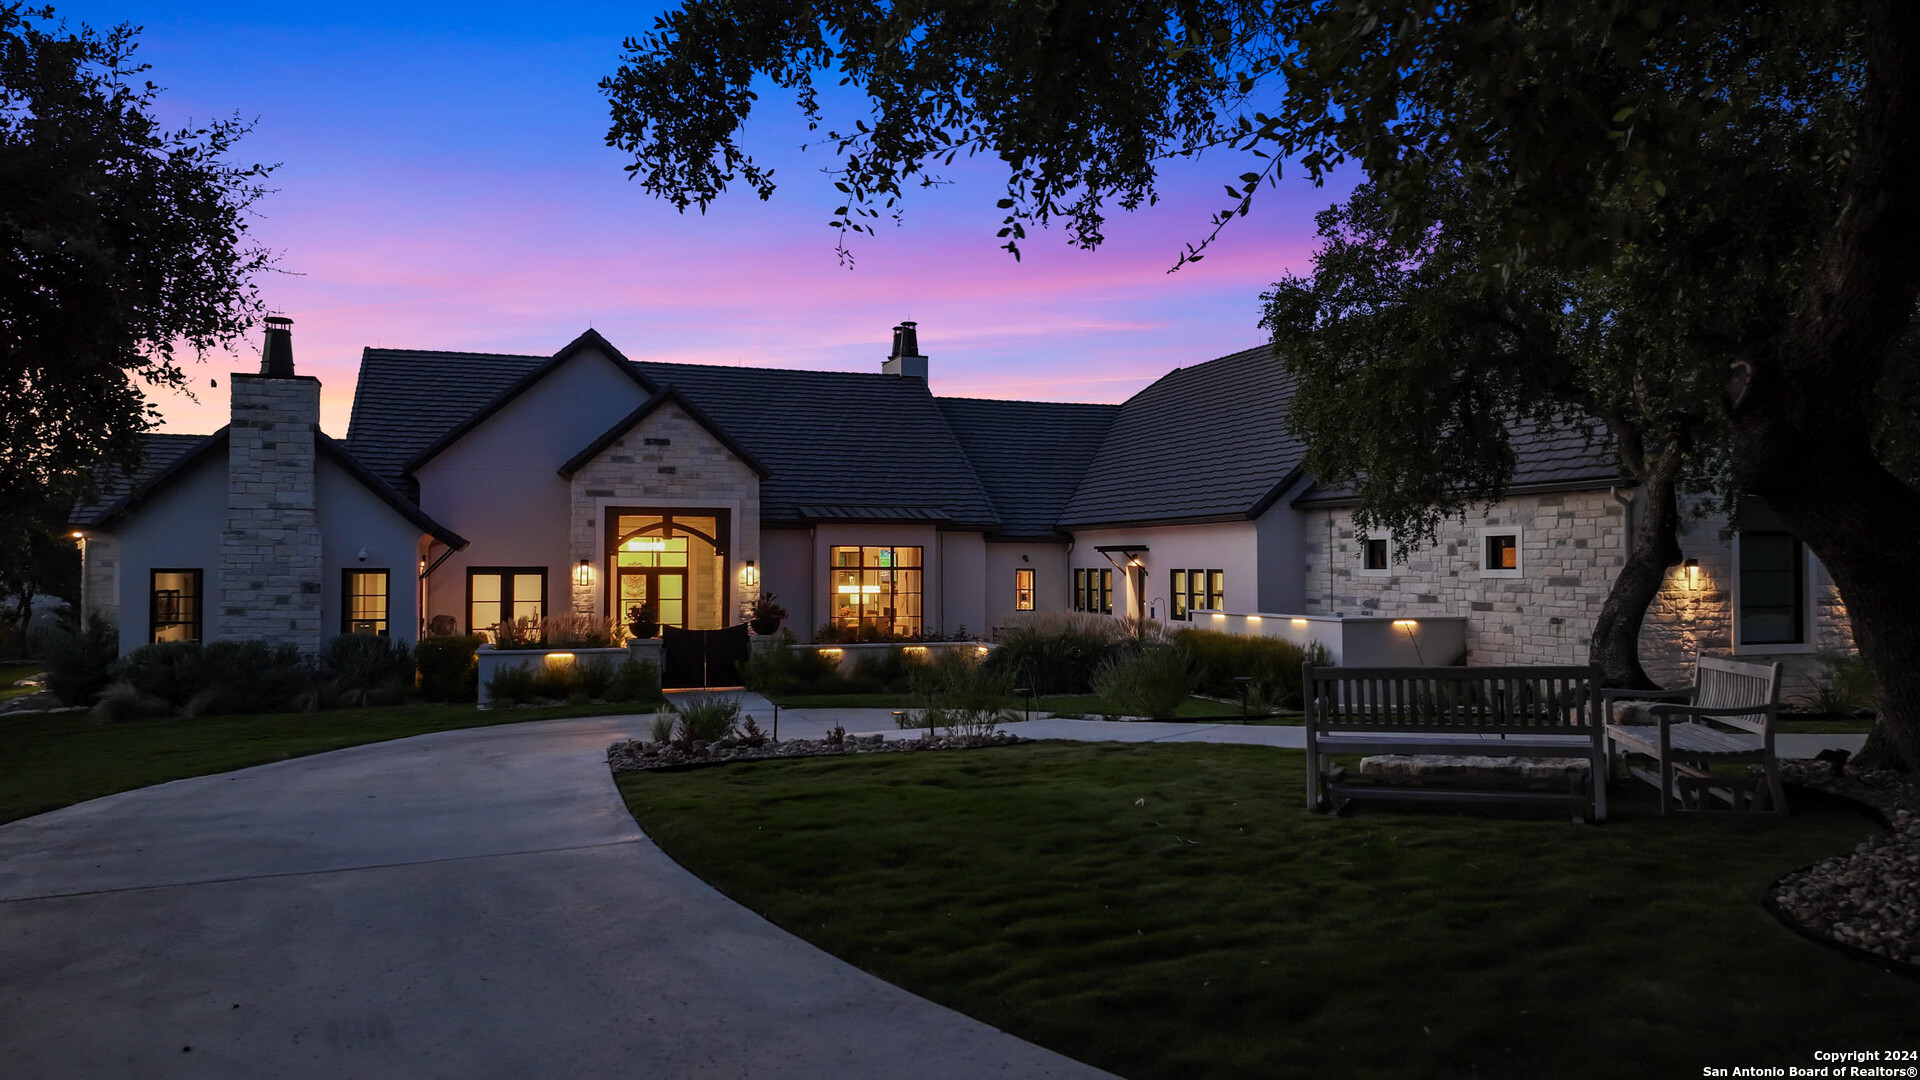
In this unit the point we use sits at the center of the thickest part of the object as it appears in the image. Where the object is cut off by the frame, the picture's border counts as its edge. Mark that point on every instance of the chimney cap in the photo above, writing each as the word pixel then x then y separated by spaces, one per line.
pixel 276 352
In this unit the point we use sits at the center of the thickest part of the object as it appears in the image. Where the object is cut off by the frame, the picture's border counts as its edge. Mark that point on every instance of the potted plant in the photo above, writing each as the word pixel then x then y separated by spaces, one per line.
pixel 763 613
pixel 643 619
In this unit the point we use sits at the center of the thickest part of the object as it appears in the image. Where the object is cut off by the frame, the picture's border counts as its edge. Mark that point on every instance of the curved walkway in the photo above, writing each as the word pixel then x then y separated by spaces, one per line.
pixel 470 903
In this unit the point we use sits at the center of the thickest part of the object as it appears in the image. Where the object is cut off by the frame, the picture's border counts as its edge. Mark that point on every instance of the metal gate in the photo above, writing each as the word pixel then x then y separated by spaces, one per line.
pixel 694 658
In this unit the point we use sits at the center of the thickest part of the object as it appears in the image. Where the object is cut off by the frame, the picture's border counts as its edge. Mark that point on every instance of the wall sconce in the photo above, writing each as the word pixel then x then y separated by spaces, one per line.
pixel 583 573
pixel 750 575
pixel 1405 624
pixel 1692 569
pixel 78 535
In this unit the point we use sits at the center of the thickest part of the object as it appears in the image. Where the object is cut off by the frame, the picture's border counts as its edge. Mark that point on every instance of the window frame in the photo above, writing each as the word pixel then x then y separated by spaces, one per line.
pixel 1024 595
pixel 507 599
pixel 917 622
pixel 1106 591
pixel 1487 534
pixel 1216 590
pixel 1385 569
pixel 386 596
pixel 1178 610
pixel 1079 588
pixel 198 622
pixel 1804 603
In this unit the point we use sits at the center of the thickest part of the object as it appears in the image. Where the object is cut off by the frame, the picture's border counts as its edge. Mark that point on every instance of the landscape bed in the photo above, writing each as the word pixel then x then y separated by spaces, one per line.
pixel 1172 910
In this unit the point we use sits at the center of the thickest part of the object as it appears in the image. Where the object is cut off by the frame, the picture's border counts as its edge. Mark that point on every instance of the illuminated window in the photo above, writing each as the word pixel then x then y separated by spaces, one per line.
pixel 173 612
pixel 877 587
pixel 498 593
pixel 1080 602
pixel 1500 552
pixel 1178 590
pixel 1023 590
pixel 1216 589
pixel 363 604
pixel 1106 592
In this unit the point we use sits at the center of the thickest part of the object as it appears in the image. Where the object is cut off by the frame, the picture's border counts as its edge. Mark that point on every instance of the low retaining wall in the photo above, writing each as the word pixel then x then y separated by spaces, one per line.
pixel 1370 641
pixel 491 660
pixel 847 656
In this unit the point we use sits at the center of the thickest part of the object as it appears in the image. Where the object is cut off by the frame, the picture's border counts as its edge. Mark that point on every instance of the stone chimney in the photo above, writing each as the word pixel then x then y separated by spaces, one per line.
pixel 270 585
pixel 906 359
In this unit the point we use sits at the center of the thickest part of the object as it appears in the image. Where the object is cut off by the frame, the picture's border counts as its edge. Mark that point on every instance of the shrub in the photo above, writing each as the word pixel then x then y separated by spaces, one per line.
pixel 251 677
pixel 779 668
pixel 523 633
pixel 1153 682
pixel 79 658
pixel 120 701
pixel 171 671
pixel 577 631
pixel 1056 652
pixel 1845 683
pixel 661 730
pixel 963 695
pixel 363 669
pixel 1272 663
pixel 555 681
pixel 515 685
pixel 593 678
pixel 448 670
pixel 635 680
pixel 709 719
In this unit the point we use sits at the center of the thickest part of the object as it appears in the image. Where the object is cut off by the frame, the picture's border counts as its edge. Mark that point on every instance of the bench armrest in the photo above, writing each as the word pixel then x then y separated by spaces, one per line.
pixel 1702 710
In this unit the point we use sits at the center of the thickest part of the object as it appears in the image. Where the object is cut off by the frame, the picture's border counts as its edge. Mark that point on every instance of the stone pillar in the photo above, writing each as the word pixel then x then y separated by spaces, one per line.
pixel 270 585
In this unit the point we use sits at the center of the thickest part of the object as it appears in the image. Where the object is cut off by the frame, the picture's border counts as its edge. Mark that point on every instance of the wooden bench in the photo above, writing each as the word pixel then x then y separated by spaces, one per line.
pixel 1478 711
pixel 1685 740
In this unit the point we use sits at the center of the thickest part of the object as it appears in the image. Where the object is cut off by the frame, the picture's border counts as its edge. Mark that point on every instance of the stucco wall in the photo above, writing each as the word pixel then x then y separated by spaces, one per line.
pixel 631 473
pixel 1571 546
pixel 1232 547
pixel 500 486
pixel 179 529
pixel 787 571
pixel 352 519
pixel 1052 583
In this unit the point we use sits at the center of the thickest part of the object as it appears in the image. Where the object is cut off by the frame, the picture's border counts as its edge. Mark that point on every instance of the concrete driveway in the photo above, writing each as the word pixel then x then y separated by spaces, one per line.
pixel 465 904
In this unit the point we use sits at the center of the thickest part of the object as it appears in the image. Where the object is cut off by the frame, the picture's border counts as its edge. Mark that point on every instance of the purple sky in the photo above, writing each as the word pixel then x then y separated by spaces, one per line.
pixel 444 185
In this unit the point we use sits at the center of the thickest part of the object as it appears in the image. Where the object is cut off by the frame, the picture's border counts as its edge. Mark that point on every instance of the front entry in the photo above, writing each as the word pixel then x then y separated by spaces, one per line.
pixel 667 588
pixel 672 561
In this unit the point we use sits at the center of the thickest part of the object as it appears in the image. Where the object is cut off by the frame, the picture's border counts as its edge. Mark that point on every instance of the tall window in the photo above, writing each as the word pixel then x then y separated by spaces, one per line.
pixel 498 593
pixel 1198 590
pixel 1773 588
pixel 1106 592
pixel 363 603
pixel 173 609
pixel 877 587
pixel 1093 591
pixel 1023 590
pixel 1080 590
pixel 1178 590
pixel 1216 589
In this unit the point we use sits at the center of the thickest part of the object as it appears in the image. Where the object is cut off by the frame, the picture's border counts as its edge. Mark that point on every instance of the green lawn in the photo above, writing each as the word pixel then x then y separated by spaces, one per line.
pixel 13 673
pixel 1173 911
pixel 47 762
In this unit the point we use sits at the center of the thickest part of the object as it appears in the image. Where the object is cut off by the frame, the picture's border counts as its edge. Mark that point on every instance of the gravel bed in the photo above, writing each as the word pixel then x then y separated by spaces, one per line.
pixel 631 755
pixel 1868 900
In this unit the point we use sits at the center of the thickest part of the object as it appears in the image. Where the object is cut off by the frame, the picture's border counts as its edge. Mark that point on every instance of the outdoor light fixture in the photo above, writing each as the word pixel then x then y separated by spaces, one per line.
pixel 830 652
pixel 1692 567
pixel 78 535
pixel 1405 624
pixel 558 658
pixel 917 650
pixel 1299 622
pixel 750 576
pixel 1255 618
pixel 583 573
pixel 980 650
pixel 363 554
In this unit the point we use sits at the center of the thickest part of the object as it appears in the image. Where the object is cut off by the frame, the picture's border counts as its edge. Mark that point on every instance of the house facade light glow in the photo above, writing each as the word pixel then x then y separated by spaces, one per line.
pixel 1405 624
pixel 750 575
pixel 558 658
pixel 583 573
pixel 1692 569
pixel 1299 622
pixel 1255 618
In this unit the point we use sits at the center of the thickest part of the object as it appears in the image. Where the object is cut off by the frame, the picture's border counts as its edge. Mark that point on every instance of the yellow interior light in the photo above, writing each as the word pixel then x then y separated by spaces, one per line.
pixel 646 545
pixel 559 658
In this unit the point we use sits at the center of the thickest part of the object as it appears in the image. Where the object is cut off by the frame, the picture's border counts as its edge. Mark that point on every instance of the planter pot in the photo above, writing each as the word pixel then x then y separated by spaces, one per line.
pixel 644 630
pixel 765 627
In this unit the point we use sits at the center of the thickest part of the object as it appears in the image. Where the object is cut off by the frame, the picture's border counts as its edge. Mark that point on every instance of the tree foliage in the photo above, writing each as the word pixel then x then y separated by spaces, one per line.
pixel 121 244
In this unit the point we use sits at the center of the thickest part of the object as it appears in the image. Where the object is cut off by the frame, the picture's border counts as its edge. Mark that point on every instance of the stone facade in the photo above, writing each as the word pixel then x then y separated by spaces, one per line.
pixel 667 460
pixel 99 563
pixel 1571 545
pixel 270 580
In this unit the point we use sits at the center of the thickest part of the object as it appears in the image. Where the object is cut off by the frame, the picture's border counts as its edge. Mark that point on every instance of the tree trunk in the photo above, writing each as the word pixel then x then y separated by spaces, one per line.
pixel 1880 752
pixel 1656 546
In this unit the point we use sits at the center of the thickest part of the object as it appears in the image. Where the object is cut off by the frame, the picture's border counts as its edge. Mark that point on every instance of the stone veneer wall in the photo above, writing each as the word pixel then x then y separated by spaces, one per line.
pixel 691 469
pixel 97 595
pixel 270 550
pixel 1571 545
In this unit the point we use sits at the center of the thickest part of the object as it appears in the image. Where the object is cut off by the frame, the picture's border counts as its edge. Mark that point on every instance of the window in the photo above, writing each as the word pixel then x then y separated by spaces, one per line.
pixel 1080 590
pixel 363 602
pixel 496 594
pixel 1177 588
pixel 1500 552
pixel 1197 590
pixel 173 609
pixel 877 587
pixel 1217 590
pixel 1773 580
pixel 1374 557
pixel 1093 591
pixel 1106 592
pixel 1023 590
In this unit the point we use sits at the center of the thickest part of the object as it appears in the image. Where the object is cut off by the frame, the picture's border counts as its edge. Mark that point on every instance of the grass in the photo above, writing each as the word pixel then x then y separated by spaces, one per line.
pixel 1047 705
pixel 56 760
pixel 11 674
pixel 1173 911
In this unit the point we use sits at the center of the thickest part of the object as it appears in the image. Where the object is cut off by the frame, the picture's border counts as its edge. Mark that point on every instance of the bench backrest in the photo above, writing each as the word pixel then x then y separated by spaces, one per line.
pixel 1540 700
pixel 1727 684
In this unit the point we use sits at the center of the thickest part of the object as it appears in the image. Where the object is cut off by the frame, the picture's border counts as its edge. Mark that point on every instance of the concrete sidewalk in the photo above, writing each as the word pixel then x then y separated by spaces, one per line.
pixel 470 903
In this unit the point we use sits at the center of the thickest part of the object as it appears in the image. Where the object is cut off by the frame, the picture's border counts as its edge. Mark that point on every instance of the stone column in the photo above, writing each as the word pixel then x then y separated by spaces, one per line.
pixel 270 586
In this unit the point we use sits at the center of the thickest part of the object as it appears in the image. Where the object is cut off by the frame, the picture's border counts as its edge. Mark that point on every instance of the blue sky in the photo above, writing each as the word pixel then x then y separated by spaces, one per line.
pixel 444 183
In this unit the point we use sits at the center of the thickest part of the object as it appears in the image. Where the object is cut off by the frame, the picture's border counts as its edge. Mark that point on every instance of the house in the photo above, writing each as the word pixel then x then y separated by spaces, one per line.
pixel 474 488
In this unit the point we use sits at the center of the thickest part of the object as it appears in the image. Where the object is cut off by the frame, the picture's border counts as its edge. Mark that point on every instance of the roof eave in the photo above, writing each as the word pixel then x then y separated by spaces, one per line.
pixel 1335 502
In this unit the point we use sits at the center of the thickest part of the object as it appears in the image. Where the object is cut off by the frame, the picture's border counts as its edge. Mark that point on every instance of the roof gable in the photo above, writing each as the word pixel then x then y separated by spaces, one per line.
pixel 669 395
pixel 1029 455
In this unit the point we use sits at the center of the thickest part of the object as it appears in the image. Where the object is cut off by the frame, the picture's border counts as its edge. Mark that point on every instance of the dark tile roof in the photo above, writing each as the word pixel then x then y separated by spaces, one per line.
pixel 816 512
pixel 158 453
pixel 836 438
pixel 407 399
pixel 1207 442
pixel 1546 458
pixel 1030 455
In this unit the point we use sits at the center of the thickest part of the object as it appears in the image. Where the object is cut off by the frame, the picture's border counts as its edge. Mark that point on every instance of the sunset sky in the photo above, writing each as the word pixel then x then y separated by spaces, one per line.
pixel 444 184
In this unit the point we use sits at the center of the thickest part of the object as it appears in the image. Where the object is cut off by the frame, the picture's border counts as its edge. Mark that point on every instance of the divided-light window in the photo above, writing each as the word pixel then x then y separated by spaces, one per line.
pixel 173 605
pixel 878 587
pixel 1093 591
pixel 497 594
pixel 1023 590
pixel 363 604
pixel 1197 590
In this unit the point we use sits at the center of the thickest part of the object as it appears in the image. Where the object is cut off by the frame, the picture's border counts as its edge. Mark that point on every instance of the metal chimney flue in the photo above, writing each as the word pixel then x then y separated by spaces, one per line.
pixel 276 355
pixel 905 358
